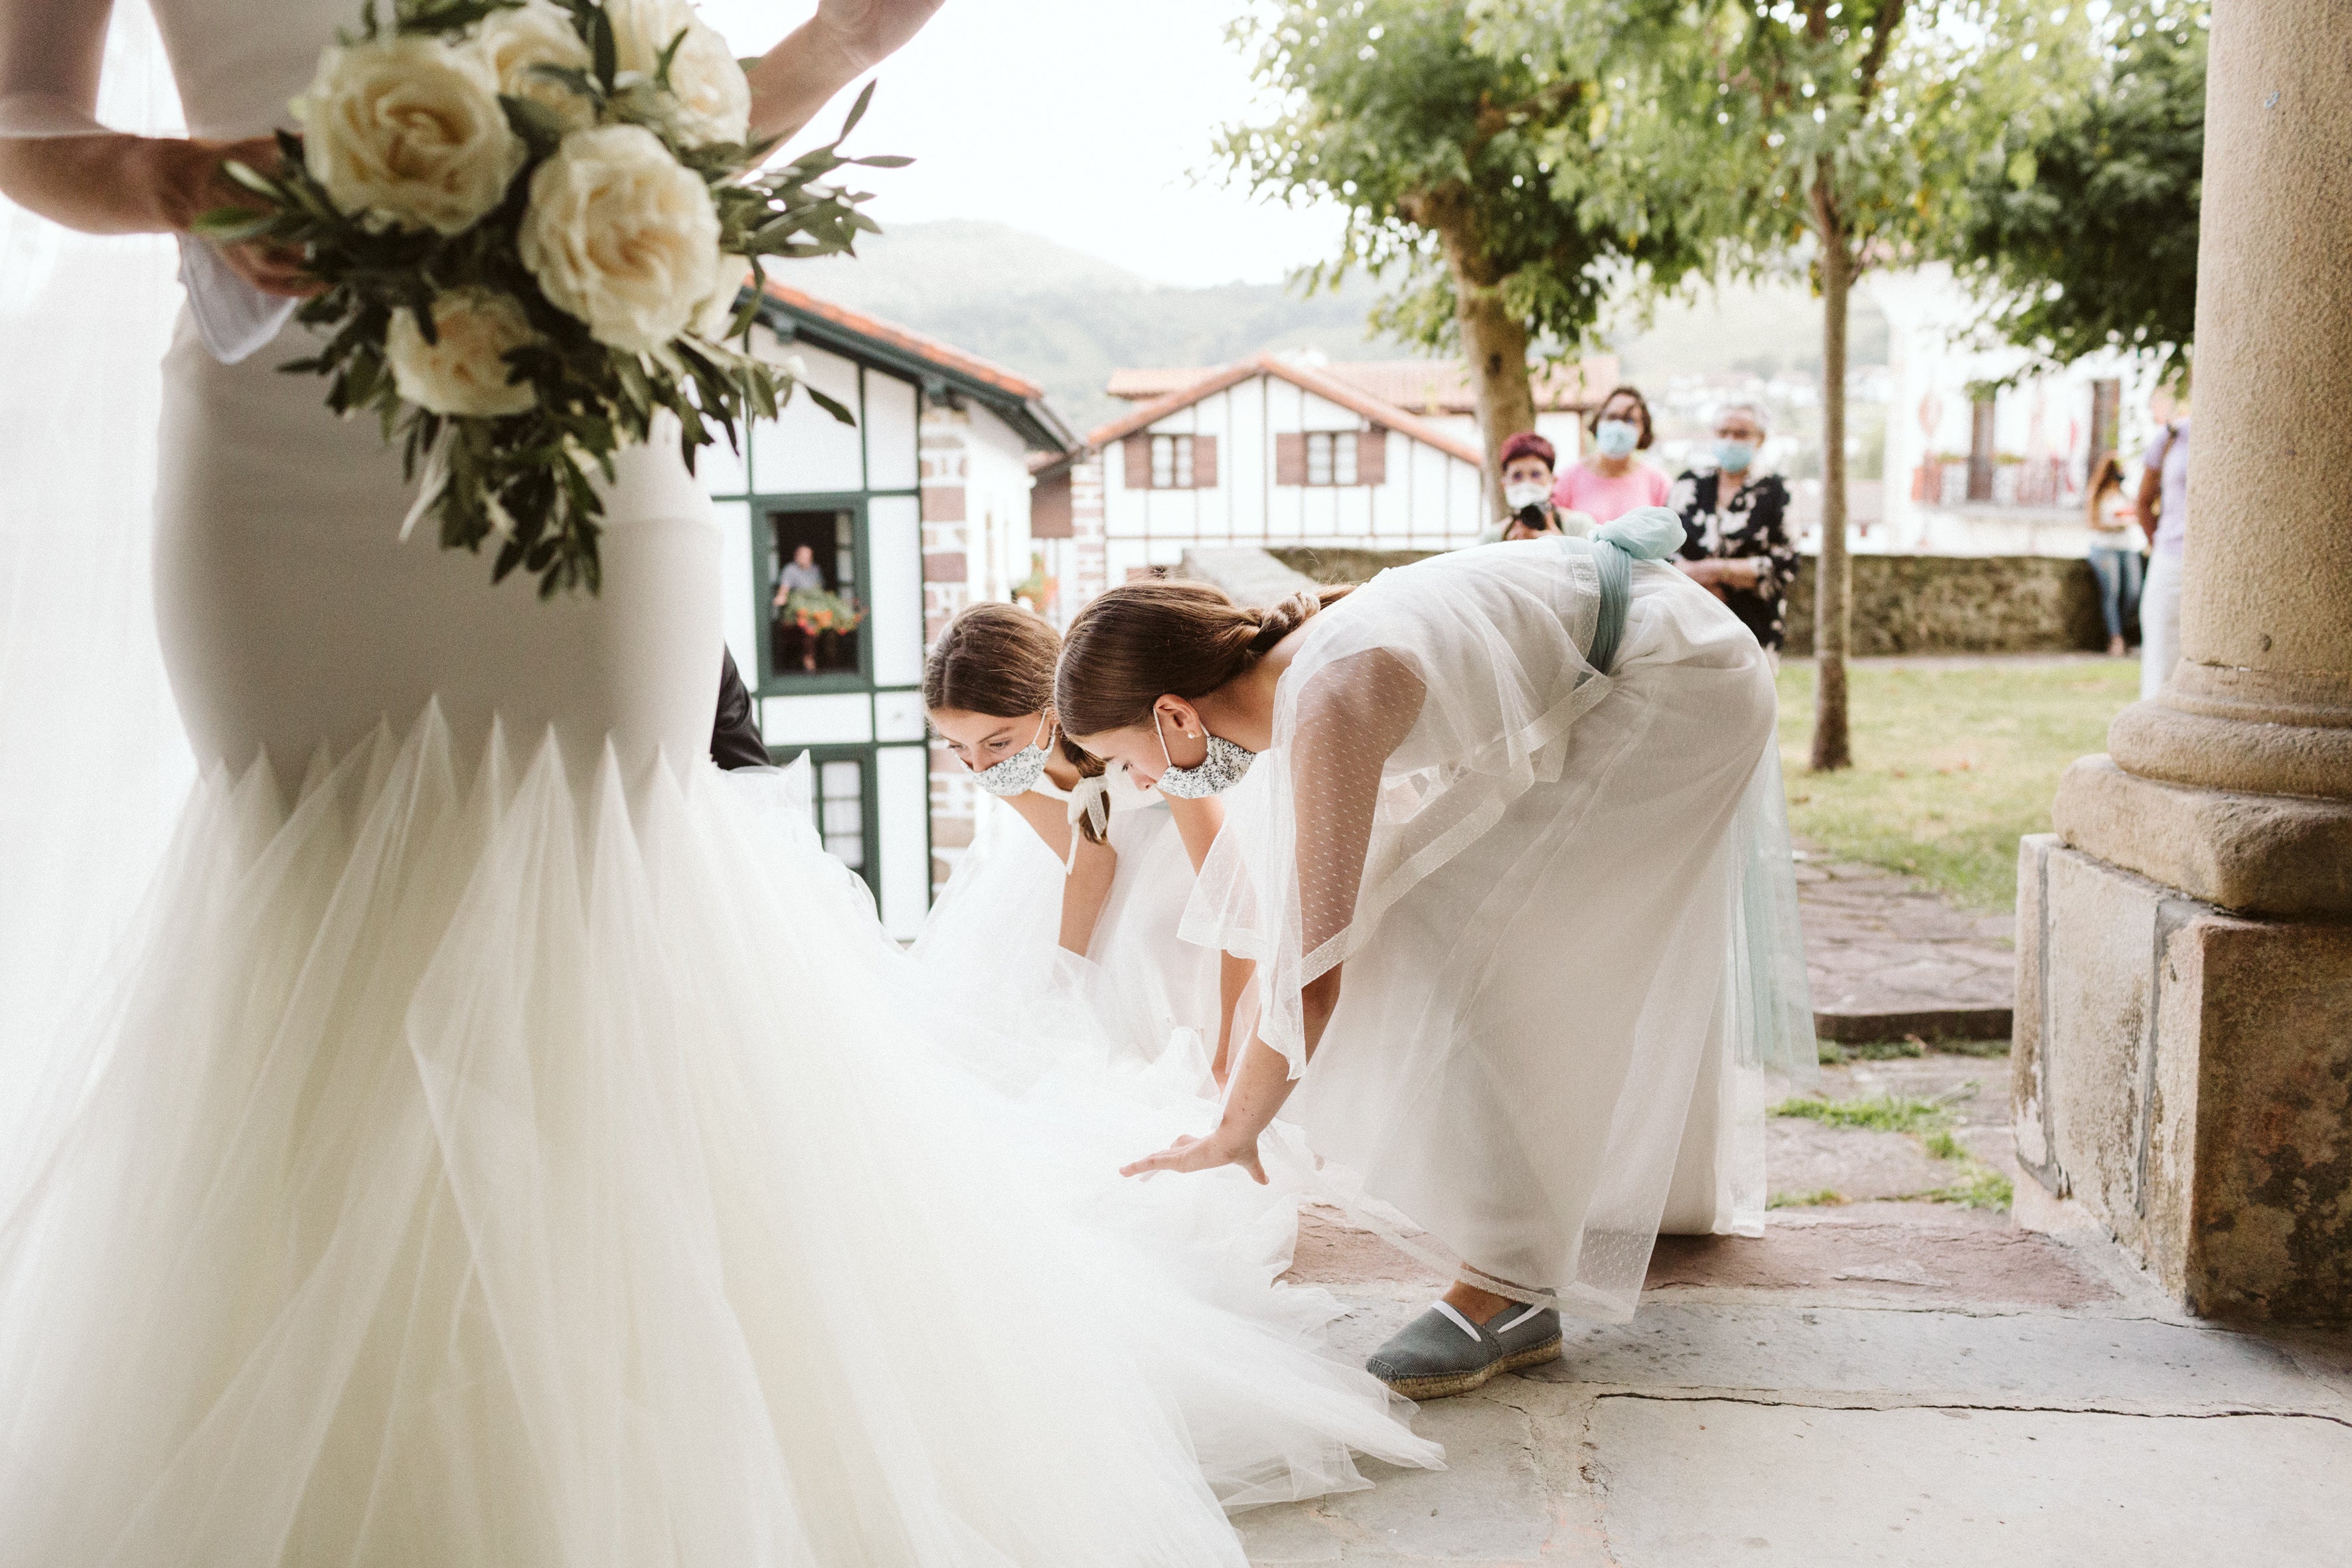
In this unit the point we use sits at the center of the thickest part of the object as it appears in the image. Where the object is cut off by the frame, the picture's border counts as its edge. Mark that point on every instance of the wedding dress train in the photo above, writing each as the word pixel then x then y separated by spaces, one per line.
pixel 483 1164
pixel 504 1140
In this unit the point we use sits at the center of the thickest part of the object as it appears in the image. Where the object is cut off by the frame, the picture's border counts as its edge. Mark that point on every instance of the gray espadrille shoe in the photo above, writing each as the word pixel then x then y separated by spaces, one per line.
pixel 1443 1353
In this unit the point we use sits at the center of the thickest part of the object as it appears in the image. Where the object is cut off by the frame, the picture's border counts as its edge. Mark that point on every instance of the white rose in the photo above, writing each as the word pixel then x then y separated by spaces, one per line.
pixel 714 97
pixel 464 372
pixel 621 236
pixel 409 128
pixel 718 312
pixel 538 33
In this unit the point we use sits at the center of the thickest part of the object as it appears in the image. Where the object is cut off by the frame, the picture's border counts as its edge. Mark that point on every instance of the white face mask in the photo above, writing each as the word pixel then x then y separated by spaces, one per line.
pixel 1617 438
pixel 1219 771
pixel 1017 774
pixel 1528 492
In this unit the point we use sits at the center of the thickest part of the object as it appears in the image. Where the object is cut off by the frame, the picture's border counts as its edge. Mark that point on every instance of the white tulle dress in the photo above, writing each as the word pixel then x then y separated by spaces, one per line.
pixel 506 1142
pixel 1563 903
pixel 1139 997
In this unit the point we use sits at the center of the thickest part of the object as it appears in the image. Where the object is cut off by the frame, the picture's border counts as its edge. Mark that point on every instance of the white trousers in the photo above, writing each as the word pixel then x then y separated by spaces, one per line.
pixel 2160 624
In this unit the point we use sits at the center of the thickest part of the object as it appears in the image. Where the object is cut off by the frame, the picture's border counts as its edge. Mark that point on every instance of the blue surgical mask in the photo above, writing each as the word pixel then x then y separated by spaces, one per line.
pixel 1219 771
pixel 1017 774
pixel 1617 438
pixel 1733 457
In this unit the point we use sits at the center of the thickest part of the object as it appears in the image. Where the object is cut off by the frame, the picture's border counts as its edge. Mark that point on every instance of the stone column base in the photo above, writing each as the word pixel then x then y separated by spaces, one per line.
pixel 2281 856
pixel 2185 1075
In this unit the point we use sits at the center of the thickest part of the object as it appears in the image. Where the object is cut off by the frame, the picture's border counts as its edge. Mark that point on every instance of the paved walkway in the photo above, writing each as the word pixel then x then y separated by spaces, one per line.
pixel 1895 1384
pixel 1889 960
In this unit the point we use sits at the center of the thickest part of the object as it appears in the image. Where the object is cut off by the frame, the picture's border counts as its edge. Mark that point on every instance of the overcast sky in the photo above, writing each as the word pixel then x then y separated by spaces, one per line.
pixel 1083 121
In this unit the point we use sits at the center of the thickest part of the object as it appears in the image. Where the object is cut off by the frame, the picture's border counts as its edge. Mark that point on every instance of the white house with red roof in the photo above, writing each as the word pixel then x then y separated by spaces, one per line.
pixel 1275 451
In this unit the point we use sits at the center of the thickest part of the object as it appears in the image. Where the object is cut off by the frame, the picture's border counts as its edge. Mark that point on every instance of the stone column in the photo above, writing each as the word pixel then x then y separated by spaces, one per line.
pixel 2185 1003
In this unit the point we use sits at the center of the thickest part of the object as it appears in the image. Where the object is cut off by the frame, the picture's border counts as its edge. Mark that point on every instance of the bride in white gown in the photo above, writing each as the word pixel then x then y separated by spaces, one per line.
pixel 501 1142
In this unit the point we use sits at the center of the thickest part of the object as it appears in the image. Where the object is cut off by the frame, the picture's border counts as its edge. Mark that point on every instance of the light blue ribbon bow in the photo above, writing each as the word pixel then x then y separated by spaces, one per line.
pixel 1646 534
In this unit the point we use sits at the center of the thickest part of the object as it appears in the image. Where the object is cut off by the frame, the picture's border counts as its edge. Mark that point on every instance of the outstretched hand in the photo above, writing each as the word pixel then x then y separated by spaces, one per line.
pixel 1189 1153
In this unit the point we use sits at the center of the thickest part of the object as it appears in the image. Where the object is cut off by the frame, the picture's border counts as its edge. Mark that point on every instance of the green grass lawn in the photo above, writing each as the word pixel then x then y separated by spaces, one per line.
pixel 1952 763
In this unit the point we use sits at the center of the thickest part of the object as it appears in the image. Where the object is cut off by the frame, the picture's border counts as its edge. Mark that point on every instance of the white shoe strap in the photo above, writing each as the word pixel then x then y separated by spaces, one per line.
pixel 1515 1323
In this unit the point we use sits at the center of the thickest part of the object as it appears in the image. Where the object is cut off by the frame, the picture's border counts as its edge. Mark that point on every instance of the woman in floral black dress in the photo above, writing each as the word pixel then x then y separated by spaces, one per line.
pixel 1735 517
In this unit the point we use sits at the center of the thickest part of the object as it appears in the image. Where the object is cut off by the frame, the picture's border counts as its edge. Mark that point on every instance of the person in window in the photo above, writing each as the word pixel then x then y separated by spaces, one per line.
pixel 2115 553
pixel 1735 517
pixel 1613 481
pixel 801 571
pixel 801 574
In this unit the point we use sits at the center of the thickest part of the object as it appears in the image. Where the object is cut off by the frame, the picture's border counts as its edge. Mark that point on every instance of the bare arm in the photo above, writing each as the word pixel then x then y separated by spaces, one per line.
pixel 1349 728
pixel 109 182
pixel 1198 823
pixel 1084 891
pixel 825 54
pixel 1258 1092
pixel 1087 888
pixel 2151 485
pixel 106 182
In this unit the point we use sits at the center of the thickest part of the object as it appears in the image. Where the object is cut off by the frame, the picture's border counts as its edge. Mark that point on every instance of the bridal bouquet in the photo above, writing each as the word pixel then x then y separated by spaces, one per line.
pixel 532 219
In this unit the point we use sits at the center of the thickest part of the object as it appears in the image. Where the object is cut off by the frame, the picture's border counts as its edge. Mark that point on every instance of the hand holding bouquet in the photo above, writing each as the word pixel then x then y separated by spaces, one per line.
pixel 531 220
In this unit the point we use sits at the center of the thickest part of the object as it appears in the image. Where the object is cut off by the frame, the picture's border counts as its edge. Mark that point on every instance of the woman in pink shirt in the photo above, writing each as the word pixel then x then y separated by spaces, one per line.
pixel 1612 481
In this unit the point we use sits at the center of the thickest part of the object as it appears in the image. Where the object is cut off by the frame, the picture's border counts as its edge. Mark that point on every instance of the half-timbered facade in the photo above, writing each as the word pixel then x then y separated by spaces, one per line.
pixel 901 517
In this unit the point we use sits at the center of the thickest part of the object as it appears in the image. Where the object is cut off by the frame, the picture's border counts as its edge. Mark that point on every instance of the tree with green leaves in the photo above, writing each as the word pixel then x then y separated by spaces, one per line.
pixel 2080 235
pixel 1444 157
pixel 1829 131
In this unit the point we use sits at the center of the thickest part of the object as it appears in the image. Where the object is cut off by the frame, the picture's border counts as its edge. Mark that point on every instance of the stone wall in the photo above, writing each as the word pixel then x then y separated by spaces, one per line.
pixel 1962 604
pixel 1901 603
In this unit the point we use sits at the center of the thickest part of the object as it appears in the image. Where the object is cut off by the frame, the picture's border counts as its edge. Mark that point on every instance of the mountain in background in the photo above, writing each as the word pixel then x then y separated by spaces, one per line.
pixel 1066 319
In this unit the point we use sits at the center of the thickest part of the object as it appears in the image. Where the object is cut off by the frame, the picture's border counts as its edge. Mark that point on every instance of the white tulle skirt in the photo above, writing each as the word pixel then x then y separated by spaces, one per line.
pixel 476 1165
pixel 1139 997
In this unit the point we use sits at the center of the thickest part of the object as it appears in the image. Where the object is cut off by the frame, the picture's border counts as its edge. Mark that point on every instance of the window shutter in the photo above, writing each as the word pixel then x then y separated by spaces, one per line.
pixel 1050 515
pixel 1204 462
pixel 1137 462
pixel 1290 459
pixel 1372 456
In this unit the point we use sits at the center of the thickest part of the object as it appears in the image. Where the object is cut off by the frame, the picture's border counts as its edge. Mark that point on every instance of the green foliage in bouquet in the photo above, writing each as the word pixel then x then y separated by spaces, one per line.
pixel 509 273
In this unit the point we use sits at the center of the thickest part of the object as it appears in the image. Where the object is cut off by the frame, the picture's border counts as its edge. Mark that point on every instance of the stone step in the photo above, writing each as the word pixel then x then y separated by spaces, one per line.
pixel 1985 1022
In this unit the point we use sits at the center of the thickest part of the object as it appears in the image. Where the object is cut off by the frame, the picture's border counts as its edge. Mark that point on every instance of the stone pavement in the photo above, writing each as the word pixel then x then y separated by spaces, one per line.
pixel 1889 958
pixel 1801 1156
pixel 1885 1383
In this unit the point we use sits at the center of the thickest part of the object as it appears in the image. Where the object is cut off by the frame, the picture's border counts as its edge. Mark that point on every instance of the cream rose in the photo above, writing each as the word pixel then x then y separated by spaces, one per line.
pixel 409 129
pixel 620 234
pixel 466 371
pixel 538 33
pixel 714 97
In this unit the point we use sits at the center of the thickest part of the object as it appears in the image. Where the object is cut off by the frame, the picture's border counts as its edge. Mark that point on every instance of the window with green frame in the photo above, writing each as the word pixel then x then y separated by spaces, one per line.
pixel 809 568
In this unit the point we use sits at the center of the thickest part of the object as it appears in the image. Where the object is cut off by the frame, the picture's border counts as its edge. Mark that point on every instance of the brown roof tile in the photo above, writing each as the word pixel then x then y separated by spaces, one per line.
pixel 906 337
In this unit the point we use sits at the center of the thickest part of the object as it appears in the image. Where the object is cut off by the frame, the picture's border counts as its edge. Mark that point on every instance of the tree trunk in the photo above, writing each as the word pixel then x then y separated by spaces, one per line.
pixel 1495 347
pixel 1834 582
pixel 1494 341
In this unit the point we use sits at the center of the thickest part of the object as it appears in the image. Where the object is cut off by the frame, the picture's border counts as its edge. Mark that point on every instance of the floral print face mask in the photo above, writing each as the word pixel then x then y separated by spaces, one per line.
pixel 1016 774
pixel 1220 769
